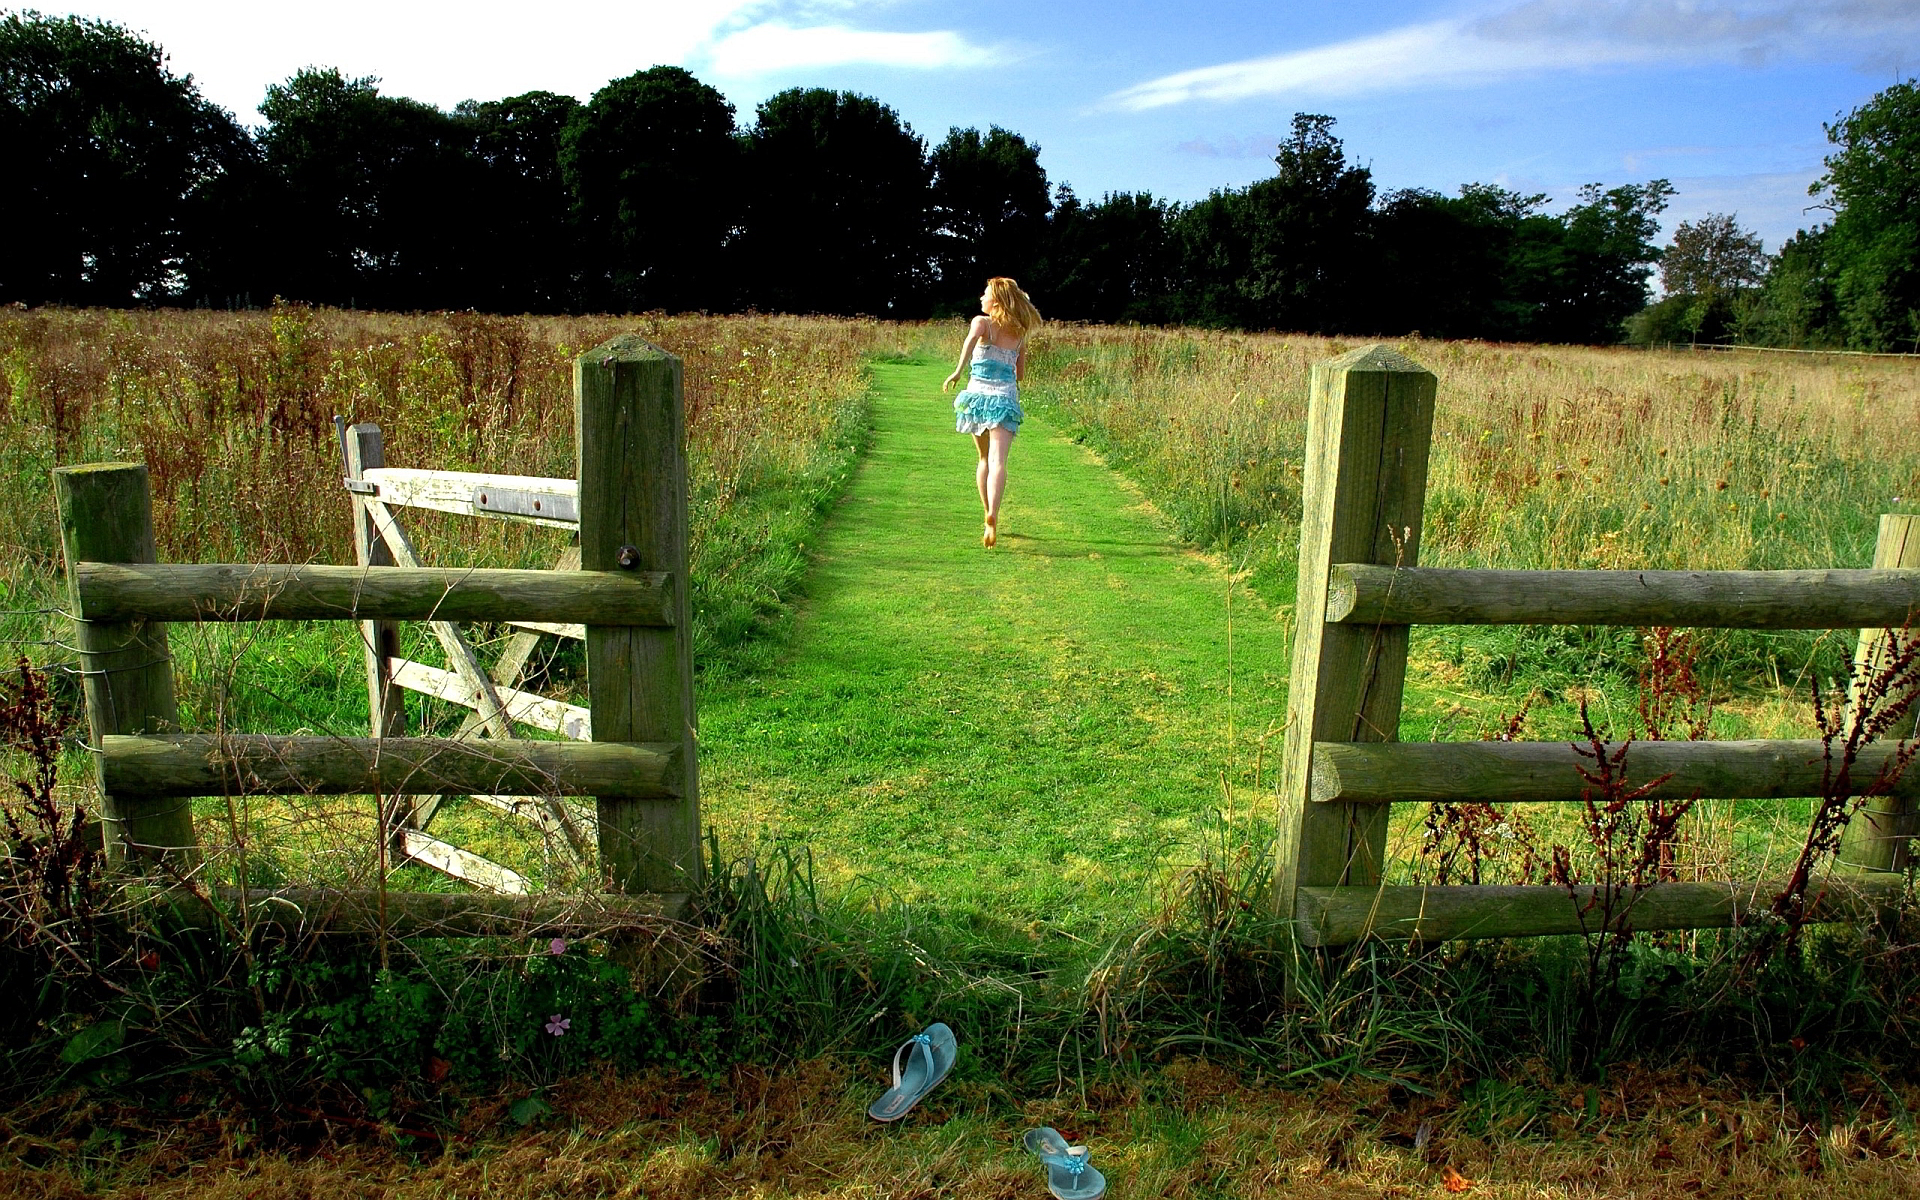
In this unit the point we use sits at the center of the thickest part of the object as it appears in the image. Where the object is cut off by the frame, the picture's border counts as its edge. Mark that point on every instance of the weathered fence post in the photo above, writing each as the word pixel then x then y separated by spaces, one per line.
pixel 386 702
pixel 1879 836
pixel 630 445
pixel 1369 427
pixel 106 515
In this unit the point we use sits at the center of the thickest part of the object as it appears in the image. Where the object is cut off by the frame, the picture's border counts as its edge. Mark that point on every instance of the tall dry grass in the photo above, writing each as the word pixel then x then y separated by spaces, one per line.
pixel 232 412
pixel 1543 457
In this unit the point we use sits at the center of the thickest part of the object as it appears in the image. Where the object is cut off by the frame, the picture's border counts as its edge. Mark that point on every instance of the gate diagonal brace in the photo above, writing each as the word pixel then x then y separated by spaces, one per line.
pixel 491 714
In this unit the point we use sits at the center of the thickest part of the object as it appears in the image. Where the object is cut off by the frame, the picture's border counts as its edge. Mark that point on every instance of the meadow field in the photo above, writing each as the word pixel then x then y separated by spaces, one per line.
pixel 1544 457
pixel 1025 792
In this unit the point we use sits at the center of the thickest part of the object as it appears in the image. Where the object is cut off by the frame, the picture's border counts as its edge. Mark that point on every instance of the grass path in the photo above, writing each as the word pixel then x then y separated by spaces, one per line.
pixel 1027 733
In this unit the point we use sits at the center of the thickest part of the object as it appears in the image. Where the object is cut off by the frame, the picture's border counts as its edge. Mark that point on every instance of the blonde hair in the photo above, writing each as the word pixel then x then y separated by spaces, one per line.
pixel 1009 308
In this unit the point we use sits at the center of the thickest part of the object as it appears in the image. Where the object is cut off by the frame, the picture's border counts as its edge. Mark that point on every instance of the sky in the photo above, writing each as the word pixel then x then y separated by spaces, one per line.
pixel 1725 98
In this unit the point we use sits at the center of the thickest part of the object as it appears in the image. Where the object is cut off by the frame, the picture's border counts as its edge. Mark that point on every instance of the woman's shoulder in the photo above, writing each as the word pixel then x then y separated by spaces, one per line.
pixel 982 326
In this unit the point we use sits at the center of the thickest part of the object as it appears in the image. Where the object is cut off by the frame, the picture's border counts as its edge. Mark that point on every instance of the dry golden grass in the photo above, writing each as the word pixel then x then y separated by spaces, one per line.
pixel 233 412
pixel 1544 456
pixel 1191 1130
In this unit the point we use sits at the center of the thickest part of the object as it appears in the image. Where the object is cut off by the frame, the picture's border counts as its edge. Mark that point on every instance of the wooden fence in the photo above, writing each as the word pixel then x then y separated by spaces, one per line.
pixel 622 589
pixel 1369 429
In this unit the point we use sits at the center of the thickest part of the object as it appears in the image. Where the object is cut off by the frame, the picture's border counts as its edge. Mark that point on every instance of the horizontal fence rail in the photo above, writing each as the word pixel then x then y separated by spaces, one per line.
pixel 419 914
pixel 1548 772
pixel 261 764
pixel 245 592
pixel 526 498
pixel 1363 594
pixel 1339 916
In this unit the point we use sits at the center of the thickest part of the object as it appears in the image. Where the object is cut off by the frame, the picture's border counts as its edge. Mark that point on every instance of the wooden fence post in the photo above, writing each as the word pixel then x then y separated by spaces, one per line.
pixel 630 446
pixel 1880 835
pixel 106 515
pixel 1369 428
pixel 386 701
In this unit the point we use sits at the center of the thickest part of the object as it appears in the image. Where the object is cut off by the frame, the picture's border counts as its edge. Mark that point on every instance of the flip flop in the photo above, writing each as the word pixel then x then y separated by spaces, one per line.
pixel 1069 1175
pixel 929 1055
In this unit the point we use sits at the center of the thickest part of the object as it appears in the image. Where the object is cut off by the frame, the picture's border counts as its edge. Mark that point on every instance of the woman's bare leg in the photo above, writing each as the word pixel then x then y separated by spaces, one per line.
pixel 994 476
pixel 981 442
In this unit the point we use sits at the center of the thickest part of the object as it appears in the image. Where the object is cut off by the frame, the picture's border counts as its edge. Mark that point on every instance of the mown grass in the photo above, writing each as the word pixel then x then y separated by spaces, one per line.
pixel 1021 740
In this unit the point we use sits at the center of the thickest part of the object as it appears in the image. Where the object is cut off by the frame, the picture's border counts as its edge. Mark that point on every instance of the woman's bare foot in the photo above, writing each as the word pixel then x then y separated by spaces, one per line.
pixel 990 535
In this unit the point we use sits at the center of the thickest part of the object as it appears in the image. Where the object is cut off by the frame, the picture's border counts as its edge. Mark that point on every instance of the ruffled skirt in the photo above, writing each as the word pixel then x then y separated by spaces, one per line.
pixel 976 412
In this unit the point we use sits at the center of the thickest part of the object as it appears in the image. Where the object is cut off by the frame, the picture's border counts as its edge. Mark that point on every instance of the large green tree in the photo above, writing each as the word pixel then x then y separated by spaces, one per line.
pixel 654 170
pixel 1711 256
pixel 112 160
pixel 524 210
pixel 990 206
pixel 1112 260
pixel 1873 245
pixel 1795 307
pixel 1286 252
pixel 1711 272
pixel 1448 263
pixel 1586 278
pixel 372 200
pixel 838 207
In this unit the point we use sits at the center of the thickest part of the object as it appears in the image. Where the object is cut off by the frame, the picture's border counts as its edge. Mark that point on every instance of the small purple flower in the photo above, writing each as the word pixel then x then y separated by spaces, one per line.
pixel 557 946
pixel 558 1025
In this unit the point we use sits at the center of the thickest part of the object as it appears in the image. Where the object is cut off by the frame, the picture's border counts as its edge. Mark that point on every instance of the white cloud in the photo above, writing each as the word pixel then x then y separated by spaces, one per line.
pixel 776 46
pixel 1538 36
pixel 445 51
pixel 440 51
pixel 1774 205
pixel 1406 57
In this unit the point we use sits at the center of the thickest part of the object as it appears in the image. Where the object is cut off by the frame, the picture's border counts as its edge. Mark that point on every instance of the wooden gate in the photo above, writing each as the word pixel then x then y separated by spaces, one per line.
pixel 622 589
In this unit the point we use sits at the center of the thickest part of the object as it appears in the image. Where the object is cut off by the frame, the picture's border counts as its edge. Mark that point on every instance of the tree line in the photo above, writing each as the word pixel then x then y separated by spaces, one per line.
pixel 656 194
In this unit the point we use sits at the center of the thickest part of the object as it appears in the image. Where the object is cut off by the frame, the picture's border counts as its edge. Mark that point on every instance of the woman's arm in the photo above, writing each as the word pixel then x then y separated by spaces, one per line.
pixel 1020 364
pixel 966 353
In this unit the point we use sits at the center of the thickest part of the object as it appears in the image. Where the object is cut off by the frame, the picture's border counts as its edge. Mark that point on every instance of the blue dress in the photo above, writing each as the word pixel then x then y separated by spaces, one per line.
pixel 992 396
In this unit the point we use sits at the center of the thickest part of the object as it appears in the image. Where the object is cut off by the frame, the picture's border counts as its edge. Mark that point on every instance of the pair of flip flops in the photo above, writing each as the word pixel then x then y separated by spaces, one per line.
pixel 920 1063
pixel 1069 1175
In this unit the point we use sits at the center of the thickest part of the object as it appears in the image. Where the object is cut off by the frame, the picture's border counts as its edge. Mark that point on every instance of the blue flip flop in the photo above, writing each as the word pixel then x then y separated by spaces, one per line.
pixel 1069 1175
pixel 928 1056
